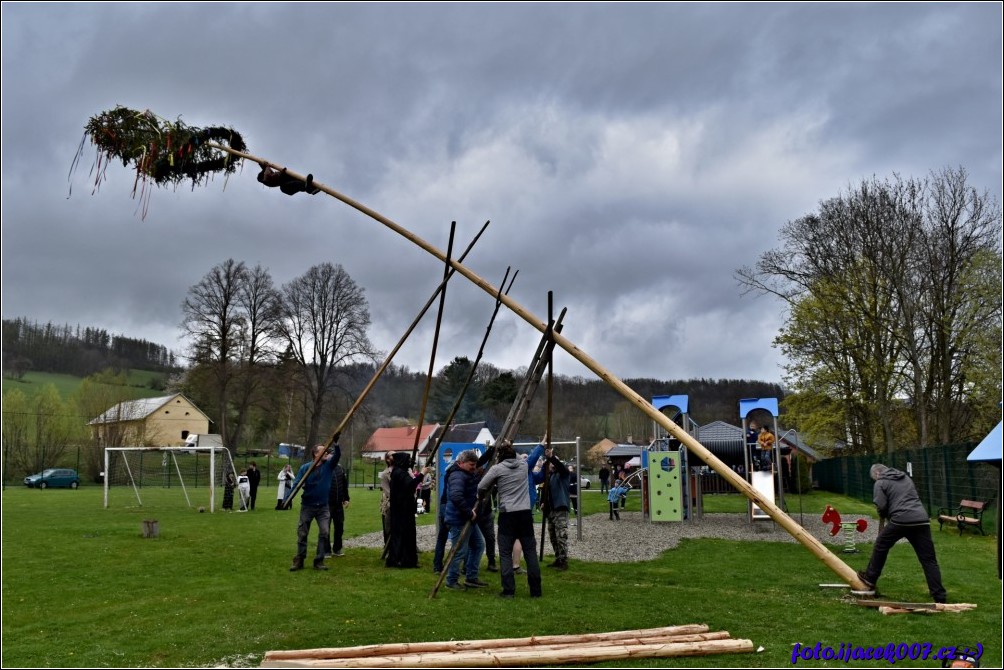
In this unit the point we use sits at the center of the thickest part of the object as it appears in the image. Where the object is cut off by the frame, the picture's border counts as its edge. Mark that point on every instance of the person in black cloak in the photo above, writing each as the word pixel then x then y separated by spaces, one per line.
pixel 402 549
pixel 229 484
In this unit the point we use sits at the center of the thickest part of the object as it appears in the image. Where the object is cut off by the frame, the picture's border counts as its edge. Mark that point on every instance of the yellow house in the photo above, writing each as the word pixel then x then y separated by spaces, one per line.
pixel 597 454
pixel 150 422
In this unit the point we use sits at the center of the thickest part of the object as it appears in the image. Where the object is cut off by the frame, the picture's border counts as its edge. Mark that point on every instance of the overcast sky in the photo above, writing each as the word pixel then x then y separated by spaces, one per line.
pixel 630 157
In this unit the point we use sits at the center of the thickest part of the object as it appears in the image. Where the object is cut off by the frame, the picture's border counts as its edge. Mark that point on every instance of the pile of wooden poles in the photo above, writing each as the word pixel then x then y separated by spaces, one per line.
pixel 666 642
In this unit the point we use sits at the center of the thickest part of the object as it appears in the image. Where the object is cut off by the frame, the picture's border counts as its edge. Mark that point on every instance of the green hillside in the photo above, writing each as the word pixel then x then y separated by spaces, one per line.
pixel 141 383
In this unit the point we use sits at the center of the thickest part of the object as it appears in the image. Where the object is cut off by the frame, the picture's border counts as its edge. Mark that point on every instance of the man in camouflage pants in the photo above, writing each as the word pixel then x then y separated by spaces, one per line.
pixel 555 506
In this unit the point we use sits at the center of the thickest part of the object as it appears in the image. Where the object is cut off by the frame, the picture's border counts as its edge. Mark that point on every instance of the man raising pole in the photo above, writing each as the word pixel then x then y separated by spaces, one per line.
pixel 316 485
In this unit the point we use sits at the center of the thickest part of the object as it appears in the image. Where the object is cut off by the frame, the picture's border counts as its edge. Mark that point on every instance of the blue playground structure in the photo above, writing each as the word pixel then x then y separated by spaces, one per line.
pixel 671 491
pixel 763 470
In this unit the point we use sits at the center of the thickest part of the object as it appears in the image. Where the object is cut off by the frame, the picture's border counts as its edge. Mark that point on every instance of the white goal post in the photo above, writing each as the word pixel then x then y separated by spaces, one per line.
pixel 202 469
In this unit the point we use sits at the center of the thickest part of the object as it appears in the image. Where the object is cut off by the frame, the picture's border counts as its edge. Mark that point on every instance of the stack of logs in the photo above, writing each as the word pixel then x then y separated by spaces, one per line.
pixel 666 642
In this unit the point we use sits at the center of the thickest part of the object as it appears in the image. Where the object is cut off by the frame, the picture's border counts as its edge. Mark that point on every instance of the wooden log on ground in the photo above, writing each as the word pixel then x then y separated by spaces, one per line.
pixel 417 658
pixel 528 656
pixel 397 648
pixel 932 607
pixel 941 607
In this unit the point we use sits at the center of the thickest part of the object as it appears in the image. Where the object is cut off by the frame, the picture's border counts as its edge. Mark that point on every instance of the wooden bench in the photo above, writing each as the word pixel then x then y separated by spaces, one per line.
pixel 969 514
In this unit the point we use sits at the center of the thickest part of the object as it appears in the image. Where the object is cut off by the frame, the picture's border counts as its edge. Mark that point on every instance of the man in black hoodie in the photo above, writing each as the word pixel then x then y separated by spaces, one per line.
pixel 898 504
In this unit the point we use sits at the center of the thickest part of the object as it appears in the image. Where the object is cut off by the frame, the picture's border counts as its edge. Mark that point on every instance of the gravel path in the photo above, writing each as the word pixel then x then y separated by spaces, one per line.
pixel 635 539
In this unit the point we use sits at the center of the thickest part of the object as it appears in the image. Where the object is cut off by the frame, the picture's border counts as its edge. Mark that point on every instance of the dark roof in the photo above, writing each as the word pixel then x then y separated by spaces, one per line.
pixel 464 432
pixel 719 431
pixel 792 438
pixel 622 450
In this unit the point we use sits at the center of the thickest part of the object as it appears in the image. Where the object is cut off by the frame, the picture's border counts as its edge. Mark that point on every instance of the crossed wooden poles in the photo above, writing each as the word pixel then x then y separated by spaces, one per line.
pixel 439 291
pixel 527 390
pixel 805 538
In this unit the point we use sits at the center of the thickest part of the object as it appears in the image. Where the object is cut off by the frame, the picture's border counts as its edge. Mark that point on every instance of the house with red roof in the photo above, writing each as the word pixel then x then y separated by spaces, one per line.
pixel 384 440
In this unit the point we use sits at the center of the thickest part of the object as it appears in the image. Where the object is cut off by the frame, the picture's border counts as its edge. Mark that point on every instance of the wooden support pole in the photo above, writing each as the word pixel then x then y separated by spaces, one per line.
pixel 435 346
pixel 390 357
pixel 376 376
pixel 474 368
pixel 831 560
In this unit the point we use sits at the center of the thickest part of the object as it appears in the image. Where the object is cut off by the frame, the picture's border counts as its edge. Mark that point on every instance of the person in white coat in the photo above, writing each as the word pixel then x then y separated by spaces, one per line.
pixel 244 489
pixel 286 477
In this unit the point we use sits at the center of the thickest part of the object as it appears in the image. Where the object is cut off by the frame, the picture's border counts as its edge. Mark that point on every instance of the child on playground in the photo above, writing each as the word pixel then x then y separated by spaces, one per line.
pixel 766 443
pixel 614 497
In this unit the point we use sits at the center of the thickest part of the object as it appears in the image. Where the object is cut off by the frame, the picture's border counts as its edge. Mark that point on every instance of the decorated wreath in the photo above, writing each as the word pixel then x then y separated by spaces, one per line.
pixel 160 150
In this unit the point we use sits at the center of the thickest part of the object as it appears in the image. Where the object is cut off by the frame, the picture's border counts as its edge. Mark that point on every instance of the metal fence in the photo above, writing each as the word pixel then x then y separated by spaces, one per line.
pixel 942 475
pixel 358 473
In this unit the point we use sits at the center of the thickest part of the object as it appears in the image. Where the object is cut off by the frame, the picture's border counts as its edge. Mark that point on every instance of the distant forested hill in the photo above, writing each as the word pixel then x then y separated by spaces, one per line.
pixel 77 350
pixel 582 406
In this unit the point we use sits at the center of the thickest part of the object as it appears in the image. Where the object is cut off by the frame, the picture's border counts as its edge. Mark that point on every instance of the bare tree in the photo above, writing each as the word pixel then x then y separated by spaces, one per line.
pixel 230 315
pixel 259 303
pixel 961 249
pixel 323 317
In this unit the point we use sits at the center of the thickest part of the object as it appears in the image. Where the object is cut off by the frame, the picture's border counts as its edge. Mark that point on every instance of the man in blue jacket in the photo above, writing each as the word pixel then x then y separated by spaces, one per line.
pixel 314 506
pixel 462 498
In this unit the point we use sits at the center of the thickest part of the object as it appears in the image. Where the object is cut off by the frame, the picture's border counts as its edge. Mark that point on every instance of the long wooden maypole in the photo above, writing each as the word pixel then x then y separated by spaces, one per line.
pixel 152 162
pixel 820 550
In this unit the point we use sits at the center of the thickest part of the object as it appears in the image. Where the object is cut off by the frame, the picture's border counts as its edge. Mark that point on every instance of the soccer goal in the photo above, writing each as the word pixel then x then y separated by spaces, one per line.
pixel 196 473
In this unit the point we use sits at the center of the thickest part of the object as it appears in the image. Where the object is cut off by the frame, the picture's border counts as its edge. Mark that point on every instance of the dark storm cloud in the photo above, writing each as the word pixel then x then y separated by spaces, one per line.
pixel 629 156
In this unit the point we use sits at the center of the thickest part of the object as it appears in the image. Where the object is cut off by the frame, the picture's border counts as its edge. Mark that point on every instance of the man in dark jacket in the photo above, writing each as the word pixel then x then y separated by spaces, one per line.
pixel 898 504
pixel 254 479
pixel 486 510
pixel 338 500
pixel 555 504
pixel 461 511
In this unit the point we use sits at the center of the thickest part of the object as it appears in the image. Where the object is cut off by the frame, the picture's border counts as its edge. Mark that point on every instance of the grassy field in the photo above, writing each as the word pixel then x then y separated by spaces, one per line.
pixel 82 588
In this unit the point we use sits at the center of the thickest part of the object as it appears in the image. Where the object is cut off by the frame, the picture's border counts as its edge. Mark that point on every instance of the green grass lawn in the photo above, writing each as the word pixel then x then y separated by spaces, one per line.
pixel 82 588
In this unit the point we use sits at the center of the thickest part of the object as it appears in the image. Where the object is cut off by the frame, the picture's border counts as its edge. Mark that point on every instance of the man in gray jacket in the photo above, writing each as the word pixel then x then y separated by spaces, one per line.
pixel 515 518
pixel 898 504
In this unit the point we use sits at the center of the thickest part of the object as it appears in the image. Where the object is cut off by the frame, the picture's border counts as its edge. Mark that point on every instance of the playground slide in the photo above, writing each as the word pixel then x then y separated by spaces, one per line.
pixel 763 482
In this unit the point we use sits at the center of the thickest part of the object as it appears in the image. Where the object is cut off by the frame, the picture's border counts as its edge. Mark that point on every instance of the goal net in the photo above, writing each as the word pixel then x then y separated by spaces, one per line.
pixel 204 477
